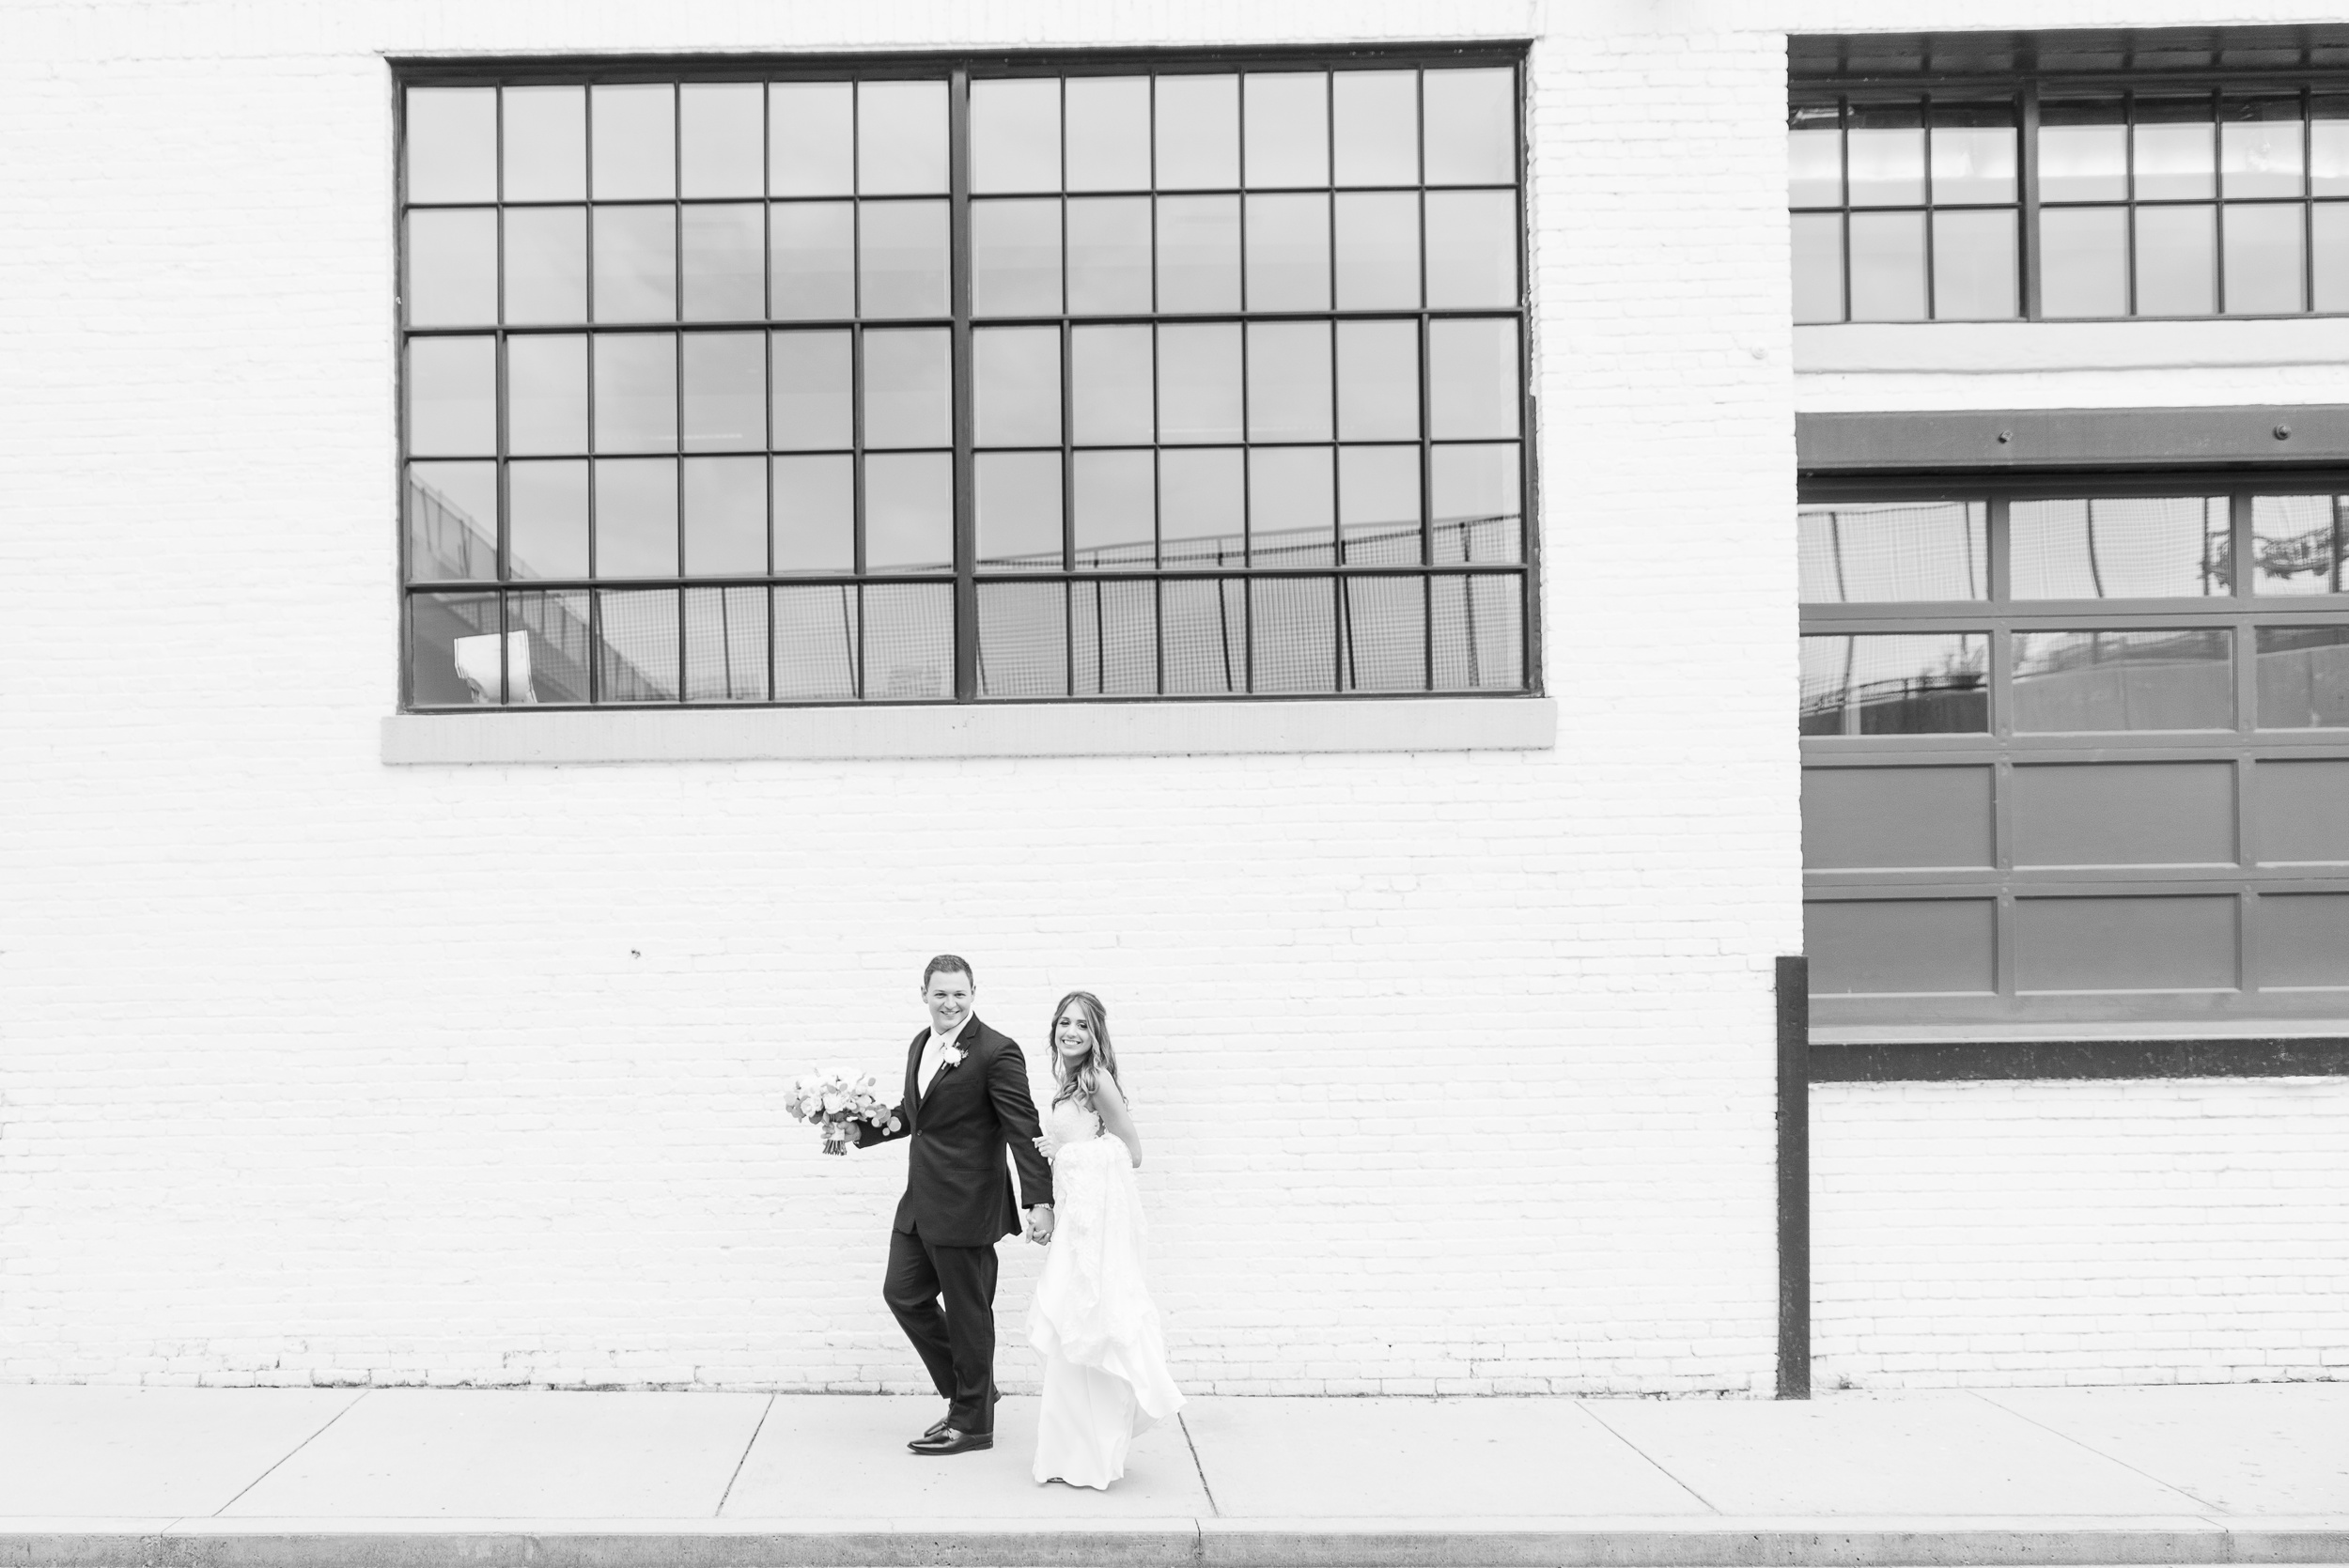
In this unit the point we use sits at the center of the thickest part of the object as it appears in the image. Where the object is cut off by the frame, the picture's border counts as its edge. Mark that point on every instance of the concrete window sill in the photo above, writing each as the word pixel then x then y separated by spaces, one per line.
pixel 1007 730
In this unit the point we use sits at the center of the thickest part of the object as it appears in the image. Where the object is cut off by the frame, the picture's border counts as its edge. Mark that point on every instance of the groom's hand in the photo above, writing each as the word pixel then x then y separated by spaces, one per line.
pixel 1040 1224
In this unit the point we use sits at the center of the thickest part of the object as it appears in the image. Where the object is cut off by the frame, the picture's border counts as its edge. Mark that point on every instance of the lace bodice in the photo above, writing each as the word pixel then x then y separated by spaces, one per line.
pixel 1071 1122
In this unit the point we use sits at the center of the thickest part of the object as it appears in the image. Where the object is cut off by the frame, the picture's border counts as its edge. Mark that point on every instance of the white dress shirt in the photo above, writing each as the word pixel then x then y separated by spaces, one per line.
pixel 934 1054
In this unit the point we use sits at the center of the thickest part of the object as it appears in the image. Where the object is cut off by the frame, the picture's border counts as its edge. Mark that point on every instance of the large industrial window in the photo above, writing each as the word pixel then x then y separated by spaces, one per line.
pixel 964 382
pixel 2075 751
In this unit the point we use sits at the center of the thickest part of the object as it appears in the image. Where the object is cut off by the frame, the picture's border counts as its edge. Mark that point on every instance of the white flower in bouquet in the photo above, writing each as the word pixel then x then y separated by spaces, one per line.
pixel 834 1101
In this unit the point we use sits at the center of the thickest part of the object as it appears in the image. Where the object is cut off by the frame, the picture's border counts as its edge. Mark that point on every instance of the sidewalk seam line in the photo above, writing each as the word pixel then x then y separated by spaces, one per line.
pixel 760 1426
pixel 2076 1442
pixel 289 1453
pixel 1584 1406
pixel 1192 1443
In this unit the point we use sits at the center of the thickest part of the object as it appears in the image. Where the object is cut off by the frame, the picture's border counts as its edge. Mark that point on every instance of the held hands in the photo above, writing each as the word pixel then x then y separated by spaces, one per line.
pixel 1040 1224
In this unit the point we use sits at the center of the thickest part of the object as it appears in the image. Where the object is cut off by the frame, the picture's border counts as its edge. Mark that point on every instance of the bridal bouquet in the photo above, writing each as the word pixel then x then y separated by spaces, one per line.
pixel 836 1099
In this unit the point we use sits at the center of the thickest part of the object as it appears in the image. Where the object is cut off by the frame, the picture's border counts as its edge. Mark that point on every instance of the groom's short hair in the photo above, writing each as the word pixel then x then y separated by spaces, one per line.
pixel 948 963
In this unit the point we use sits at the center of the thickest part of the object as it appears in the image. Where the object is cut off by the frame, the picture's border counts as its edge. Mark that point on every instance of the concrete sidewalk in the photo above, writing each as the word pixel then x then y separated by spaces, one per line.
pixel 108 1477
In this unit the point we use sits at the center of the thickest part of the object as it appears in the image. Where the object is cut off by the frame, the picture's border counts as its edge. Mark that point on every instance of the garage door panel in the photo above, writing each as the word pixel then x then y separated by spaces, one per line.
pixel 2125 945
pixel 1901 947
pixel 2124 814
pixel 2303 939
pixel 1896 818
pixel 2302 810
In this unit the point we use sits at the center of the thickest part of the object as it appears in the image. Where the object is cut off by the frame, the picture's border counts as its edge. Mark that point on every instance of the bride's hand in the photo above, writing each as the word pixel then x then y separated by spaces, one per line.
pixel 1045 1146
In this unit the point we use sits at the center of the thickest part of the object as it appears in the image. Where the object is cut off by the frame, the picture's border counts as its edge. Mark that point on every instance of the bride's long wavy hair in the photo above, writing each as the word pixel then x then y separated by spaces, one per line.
pixel 1085 1079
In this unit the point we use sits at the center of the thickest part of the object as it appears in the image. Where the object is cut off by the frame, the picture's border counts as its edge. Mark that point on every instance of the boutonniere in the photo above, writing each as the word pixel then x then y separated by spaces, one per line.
pixel 949 1056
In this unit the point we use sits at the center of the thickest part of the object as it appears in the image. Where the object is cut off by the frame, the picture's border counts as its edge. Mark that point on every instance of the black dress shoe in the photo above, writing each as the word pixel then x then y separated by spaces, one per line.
pixel 952 1441
pixel 939 1425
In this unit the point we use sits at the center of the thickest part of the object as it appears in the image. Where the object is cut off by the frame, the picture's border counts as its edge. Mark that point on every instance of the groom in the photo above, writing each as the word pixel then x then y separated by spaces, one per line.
pixel 966 1097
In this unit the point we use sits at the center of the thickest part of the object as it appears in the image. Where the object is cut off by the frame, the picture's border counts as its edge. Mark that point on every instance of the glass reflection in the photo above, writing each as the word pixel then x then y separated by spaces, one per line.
pixel 1471 250
pixel 1377 381
pixel 816 642
pixel 901 259
pixel 546 394
pixel 901 138
pixel 2083 150
pixel 1471 126
pixel 2085 681
pixel 1198 254
pixel 1378 251
pixel 1113 639
pixel 1019 511
pixel 725 263
pixel 1472 379
pixel 1292 635
pixel 1975 276
pixel 1109 256
pixel 452 269
pixel 1479 512
pixel 1383 645
pixel 2303 678
pixel 547 519
pixel 635 377
pixel 632 137
pixel 1108 133
pixel 2172 141
pixel 546 143
pixel 1886 147
pixel 1814 155
pixel 1379 506
pixel 635 274
pixel 1818 267
pixel 452 523
pixel 451 142
pixel 636 516
pixel 2177 261
pixel 1884 552
pixel 1110 380
pixel 2262 259
pixel 1286 118
pixel 811 138
pixel 1201 501
pixel 456 655
pixel 720 152
pixel 814 507
pixel 1377 118
pixel 1024 640
pixel 725 392
pixel 2168 547
pixel 1114 506
pixel 810 391
pixel 1477 627
pixel 908 389
pixel 1973 152
pixel 636 645
pixel 812 266
pixel 910 513
pixel 1015 376
pixel 452 397
pixel 1015 135
pixel 2258 147
pixel 726 645
pixel 1288 381
pixel 1015 258
pixel 1204 635
pixel 725 516
pixel 550 633
pixel 2328 146
pixel 2328 282
pixel 1199 384
pixel 909 643
pixel 1288 253
pixel 2301 543
pixel 546 264
pixel 2084 261
pixel 1292 507
pixel 1888 267
pixel 1198 133
pixel 1926 683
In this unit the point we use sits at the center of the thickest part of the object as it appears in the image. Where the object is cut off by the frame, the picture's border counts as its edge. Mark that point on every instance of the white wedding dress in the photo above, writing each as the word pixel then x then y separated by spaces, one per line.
pixel 1105 1375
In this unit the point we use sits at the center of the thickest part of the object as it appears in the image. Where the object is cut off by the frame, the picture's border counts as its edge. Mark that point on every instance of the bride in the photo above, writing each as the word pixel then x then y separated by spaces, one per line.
pixel 1105 1375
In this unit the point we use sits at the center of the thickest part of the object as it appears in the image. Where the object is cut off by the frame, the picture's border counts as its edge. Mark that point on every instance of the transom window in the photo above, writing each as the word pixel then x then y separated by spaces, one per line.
pixel 1155 380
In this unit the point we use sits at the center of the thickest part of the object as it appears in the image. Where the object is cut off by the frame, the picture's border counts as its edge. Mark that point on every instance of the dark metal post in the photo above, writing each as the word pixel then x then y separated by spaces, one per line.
pixel 1794 1178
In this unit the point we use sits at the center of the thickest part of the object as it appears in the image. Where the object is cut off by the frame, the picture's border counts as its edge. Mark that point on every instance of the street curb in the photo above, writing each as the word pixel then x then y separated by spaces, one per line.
pixel 1215 1547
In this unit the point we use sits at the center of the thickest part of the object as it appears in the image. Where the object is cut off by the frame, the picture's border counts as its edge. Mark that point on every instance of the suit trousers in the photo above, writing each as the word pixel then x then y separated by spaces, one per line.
pixel 958 1344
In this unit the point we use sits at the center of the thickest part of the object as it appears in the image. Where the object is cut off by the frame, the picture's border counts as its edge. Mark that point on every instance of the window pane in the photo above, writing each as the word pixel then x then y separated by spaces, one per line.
pixel 1973 152
pixel 1198 133
pixel 1814 156
pixel 1015 257
pixel 1288 253
pixel 2177 261
pixel 908 393
pixel 636 516
pixel 2083 150
pixel 2120 548
pixel 1200 520
pixel 635 263
pixel 814 526
pixel 1477 625
pixel 2263 250
pixel 1204 633
pixel 1024 640
pixel 2258 147
pixel 1292 507
pixel 633 133
pixel 1115 509
pixel 1880 552
pixel 810 139
pixel 725 263
pixel 2299 543
pixel 547 647
pixel 1472 127
pixel 547 519
pixel 452 144
pixel 546 394
pixel 725 392
pixel 1015 135
pixel 726 645
pixel 1384 645
pixel 1379 506
pixel 2084 261
pixel 1885 144
pixel 452 523
pixel 452 269
pixel 1199 396
pixel 2330 223
pixel 1472 379
pixel 901 251
pixel 1378 124
pixel 1286 118
pixel 1818 263
pixel 1378 246
pixel 1110 378
pixel 725 517
pixel 1198 254
pixel 1016 375
pixel 722 152
pixel 1109 256
pixel 1288 381
pixel 1114 637
pixel 1932 683
pixel 901 138
pixel 813 267
pixel 1888 265
pixel 1479 517
pixel 2303 678
pixel 454 650
pixel 816 642
pixel 546 265
pixel 546 143
pixel 1108 133
pixel 2328 146
pixel 910 513
pixel 811 380
pixel 909 642
pixel 636 645
pixel 636 392
pixel 2073 681
pixel 1019 514
pixel 1974 267
pixel 452 397
pixel 1377 381
pixel 2174 147
pixel 1293 634
pixel 1471 250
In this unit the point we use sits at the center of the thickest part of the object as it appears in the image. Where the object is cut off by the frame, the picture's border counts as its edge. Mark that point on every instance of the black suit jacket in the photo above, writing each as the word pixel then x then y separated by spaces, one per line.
pixel 957 1191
